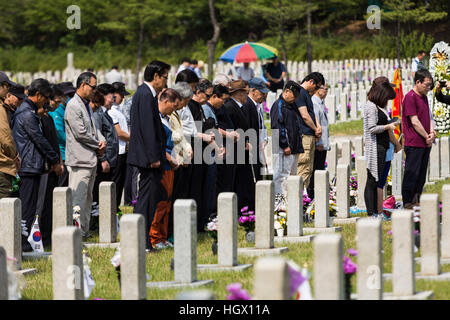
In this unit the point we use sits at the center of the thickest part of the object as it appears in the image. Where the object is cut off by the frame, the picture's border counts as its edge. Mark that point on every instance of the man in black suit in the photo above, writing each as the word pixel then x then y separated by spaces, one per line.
pixel 244 181
pixel 253 111
pixel 146 150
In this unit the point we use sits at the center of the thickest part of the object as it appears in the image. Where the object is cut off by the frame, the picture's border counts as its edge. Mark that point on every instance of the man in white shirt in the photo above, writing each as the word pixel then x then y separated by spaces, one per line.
pixel 417 62
pixel 120 123
pixel 113 76
pixel 185 64
pixel 245 72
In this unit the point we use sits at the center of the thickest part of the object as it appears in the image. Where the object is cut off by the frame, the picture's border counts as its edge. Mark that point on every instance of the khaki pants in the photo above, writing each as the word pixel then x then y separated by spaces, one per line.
pixel 5 185
pixel 81 181
pixel 306 159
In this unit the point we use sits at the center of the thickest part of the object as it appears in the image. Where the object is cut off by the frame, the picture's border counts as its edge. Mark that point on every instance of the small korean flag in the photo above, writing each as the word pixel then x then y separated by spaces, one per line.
pixel 35 238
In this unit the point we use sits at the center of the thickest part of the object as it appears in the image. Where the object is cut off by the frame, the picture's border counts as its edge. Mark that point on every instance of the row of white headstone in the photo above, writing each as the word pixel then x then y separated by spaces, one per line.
pixel 67 245
pixel 350 72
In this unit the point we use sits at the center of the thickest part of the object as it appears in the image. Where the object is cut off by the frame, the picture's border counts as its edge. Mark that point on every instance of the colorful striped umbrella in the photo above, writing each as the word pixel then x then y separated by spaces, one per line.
pixel 248 51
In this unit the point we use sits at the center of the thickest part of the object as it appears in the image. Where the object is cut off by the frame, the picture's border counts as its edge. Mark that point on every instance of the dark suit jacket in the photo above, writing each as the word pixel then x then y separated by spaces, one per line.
pixel 251 113
pixel 236 114
pixel 441 98
pixel 147 138
pixel 239 120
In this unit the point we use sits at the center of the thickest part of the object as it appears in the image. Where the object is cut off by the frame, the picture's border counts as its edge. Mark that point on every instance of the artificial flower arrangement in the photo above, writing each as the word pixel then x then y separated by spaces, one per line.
pixel 76 216
pixel 211 227
pixel 247 219
pixel 299 288
pixel 350 269
pixel 440 70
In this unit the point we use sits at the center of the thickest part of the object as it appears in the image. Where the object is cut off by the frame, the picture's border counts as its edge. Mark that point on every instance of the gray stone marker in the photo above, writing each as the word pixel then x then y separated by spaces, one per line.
pixel 359 148
pixel 397 174
pixel 429 234
pixel 435 161
pixel 445 157
pixel 403 266
pixel 62 207
pixel 271 279
pixel 353 105
pixel 330 102
pixel 346 153
pixel 343 103
pixel 328 270
pixel 322 211
pixel 332 159
pixel 264 229
pixel 185 247
pixel 403 253
pixel 294 212
pixel 226 235
pixel 67 264
pixel 362 178
pixel 3 275
pixel 343 195
pixel 107 212
pixel 11 229
pixel 132 257
pixel 370 259
pixel 445 193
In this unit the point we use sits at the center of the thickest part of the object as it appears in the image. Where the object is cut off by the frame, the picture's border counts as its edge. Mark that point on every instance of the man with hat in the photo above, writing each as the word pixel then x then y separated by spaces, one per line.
pixel 253 111
pixel 286 135
pixel 9 158
pixel 118 173
pixel 243 178
pixel 15 96
pixel 68 90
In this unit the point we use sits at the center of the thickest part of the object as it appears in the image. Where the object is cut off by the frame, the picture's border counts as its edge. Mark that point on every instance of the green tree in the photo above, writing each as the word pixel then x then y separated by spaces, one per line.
pixel 404 11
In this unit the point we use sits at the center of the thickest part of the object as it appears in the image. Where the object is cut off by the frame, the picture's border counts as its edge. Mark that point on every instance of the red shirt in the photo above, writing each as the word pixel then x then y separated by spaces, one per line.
pixel 413 104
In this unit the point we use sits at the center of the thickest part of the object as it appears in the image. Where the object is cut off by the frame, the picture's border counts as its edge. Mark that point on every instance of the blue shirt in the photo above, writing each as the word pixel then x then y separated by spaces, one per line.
pixel 304 99
pixel 276 71
pixel 169 141
pixel 209 113
pixel 58 119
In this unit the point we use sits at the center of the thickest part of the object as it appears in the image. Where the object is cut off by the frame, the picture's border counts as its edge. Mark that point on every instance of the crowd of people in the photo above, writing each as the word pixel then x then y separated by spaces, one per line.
pixel 192 141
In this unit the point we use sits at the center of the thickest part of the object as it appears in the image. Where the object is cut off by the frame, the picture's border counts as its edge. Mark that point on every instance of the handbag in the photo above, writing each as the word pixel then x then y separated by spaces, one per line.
pixel 389 203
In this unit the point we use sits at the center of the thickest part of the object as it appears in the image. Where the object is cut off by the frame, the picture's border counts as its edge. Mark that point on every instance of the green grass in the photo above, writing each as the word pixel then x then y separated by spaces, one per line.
pixel 39 286
pixel 436 188
pixel 354 127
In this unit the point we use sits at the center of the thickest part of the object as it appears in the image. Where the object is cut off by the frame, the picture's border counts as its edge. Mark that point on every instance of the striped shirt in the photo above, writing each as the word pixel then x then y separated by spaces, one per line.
pixel 371 129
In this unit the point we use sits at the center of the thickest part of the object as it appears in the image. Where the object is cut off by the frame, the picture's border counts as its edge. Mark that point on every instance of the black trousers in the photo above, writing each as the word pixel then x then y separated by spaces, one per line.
pixel 149 194
pixel 244 186
pixel 100 177
pixel 63 180
pixel 128 185
pixel 209 193
pixel 225 178
pixel 118 175
pixel 197 183
pixel 416 164
pixel 370 191
pixel 319 164
pixel 46 219
pixel 28 194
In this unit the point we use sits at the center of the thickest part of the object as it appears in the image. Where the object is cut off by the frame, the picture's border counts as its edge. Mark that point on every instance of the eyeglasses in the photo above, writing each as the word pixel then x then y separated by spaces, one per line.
pixel 207 95
pixel 93 87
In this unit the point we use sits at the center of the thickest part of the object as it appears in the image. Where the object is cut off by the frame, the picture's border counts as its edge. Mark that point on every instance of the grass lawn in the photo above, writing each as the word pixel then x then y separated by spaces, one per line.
pixel 39 286
pixel 347 128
